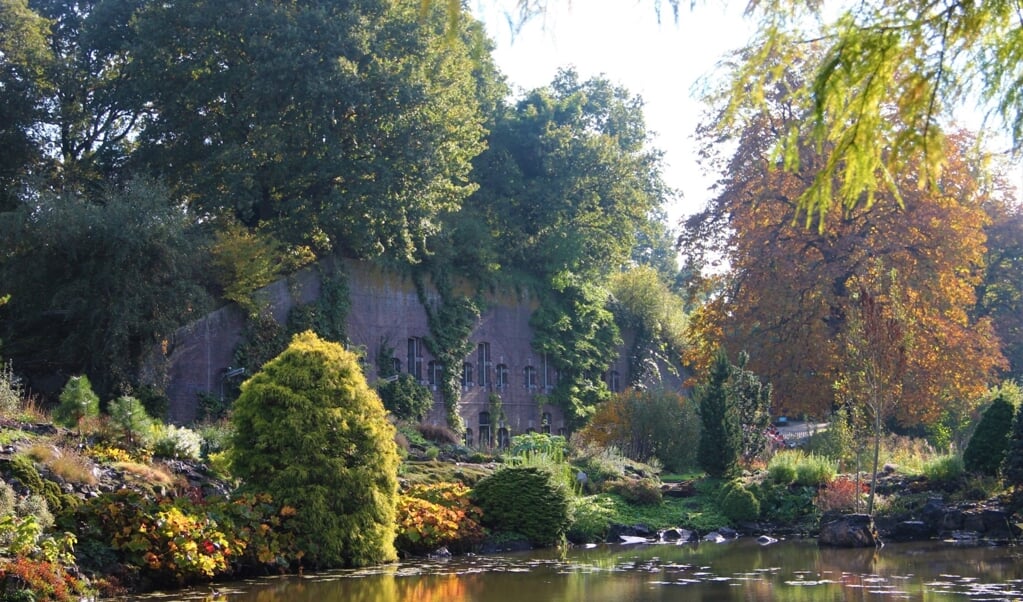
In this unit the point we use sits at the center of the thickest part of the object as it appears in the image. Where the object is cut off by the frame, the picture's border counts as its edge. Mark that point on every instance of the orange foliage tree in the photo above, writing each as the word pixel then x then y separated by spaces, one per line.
pixel 790 289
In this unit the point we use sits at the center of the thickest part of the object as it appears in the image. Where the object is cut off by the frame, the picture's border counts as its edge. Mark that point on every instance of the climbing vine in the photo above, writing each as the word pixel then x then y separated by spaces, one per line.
pixel 451 321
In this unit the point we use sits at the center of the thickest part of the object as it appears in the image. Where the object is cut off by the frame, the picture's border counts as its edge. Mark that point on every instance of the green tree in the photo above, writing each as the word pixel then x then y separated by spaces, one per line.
pixel 309 431
pixel 341 126
pixel 131 421
pixel 527 500
pixel 98 284
pixel 77 401
pixel 987 447
pixel 752 399
pixel 721 433
pixel 1012 465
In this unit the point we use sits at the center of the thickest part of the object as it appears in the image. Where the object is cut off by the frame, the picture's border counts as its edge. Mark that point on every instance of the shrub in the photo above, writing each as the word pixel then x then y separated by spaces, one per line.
pixel 35 506
pixel 738 503
pixel 21 468
pixel 28 579
pixel 11 390
pixel 944 469
pixel 526 500
pixel 836 441
pixel 721 433
pixel 986 449
pixel 842 494
pixel 591 519
pixel 1012 465
pixel 310 432
pixel 177 442
pixel 130 422
pixel 813 470
pixel 782 467
pixel 645 492
pixel 531 444
pixel 783 504
pixel 431 516
pixel 405 398
pixel 438 434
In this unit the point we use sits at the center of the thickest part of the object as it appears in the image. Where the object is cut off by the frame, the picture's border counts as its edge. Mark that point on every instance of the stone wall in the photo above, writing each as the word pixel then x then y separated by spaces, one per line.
pixel 385 312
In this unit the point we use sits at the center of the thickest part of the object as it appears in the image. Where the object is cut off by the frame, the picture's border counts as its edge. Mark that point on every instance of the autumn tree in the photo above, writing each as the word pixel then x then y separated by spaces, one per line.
pixel 790 288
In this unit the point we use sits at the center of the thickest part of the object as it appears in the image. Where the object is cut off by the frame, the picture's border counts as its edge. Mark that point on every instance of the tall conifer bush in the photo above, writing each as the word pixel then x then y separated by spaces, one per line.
pixel 721 434
pixel 310 432
pixel 987 446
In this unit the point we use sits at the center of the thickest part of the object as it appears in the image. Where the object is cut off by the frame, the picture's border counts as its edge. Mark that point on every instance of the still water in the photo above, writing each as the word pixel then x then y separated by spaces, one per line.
pixel 737 570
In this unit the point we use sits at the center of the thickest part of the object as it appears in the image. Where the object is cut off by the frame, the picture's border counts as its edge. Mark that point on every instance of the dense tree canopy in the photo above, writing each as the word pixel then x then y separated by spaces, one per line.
pixel 788 296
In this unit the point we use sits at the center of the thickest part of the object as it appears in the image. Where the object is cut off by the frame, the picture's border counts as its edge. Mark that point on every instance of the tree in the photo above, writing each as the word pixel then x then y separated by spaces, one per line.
pixel 790 289
pixel 752 399
pixel 987 447
pixel 77 401
pixel 131 421
pixel 1000 292
pixel 878 94
pixel 877 352
pixel 1012 465
pixel 342 126
pixel 97 284
pixel 406 398
pixel 309 431
pixel 721 435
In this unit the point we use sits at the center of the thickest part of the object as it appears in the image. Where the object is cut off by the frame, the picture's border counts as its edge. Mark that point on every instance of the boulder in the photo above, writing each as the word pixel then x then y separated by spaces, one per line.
pixel 677 534
pixel 912 530
pixel 849 531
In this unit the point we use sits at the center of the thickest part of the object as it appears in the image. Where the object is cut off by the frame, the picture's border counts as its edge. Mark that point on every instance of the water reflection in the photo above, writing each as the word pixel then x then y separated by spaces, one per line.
pixel 739 571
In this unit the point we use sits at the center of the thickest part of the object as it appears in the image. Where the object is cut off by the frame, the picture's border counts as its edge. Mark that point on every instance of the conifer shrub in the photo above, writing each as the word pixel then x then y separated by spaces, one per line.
pixel 986 449
pixel 721 433
pixel 130 422
pixel 527 500
pixel 77 402
pixel 738 503
pixel 1012 465
pixel 405 398
pixel 310 432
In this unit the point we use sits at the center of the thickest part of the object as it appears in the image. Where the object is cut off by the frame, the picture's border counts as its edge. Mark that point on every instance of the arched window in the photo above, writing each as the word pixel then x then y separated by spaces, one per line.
pixel 545 423
pixel 529 377
pixel 484 438
pixel 466 375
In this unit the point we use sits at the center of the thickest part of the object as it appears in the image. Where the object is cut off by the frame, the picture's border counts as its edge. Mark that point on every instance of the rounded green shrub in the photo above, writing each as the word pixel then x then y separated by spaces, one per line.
pixel 309 431
pixel 738 503
pixel 986 449
pixel 527 500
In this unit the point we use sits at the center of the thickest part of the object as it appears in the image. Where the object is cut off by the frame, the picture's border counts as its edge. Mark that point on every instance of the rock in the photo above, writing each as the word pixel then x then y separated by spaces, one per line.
pixel 728 533
pixel 849 531
pixel 766 540
pixel 633 539
pixel 678 490
pixel 912 530
pixel 676 534
pixel 616 531
pixel 952 520
pixel 441 552
pixel 714 537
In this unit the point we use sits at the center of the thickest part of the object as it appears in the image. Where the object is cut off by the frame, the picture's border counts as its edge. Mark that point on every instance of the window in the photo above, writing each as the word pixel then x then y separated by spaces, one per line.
pixel 550 375
pixel 468 437
pixel 613 382
pixel 501 376
pixel 545 423
pixel 434 374
pixel 395 365
pixel 466 375
pixel 483 364
pixel 415 358
pixel 484 438
pixel 503 441
pixel 529 377
pixel 562 431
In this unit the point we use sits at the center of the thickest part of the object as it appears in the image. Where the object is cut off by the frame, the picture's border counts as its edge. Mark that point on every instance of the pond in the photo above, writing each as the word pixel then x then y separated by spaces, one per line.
pixel 735 570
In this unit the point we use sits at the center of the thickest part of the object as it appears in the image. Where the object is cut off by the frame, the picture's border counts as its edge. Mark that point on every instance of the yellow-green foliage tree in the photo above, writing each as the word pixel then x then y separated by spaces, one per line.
pixel 310 432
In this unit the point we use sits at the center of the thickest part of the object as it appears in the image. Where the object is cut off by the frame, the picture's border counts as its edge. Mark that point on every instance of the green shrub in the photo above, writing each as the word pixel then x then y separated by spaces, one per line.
pixel 310 432
pixel 1012 465
pixel 836 441
pixel 813 470
pixel 591 519
pixel 131 422
pixel 645 492
pixel 405 398
pixel 11 390
pixel 721 433
pixel 944 469
pixel 527 500
pixel 986 449
pixel 529 444
pixel 782 467
pixel 738 503
pixel 783 504
pixel 177 442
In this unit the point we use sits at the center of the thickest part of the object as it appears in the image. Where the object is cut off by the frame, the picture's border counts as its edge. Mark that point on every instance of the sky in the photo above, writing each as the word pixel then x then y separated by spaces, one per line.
pixel 623 41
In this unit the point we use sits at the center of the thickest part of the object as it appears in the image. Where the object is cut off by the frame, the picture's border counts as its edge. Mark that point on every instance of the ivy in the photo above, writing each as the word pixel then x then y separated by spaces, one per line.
pixel 450 321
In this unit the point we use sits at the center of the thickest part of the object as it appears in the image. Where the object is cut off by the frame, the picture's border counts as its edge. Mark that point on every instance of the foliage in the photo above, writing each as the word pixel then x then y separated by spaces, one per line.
pixel 176 541
pixel 1012 465
pixel 591 519
pixel 243 261
pixel 32 580
pixel 841 495
pixel 836 441
pixel 752 400
pixel 813 470
pixel 738 503
pixel 526 500
pixel 21 468
pixel 721 432
pixel 934 58
pixel 77 401
pixel 432 516
pixel 131 422
pixel 177 442
pixel 986 449
pixel 528 444
pixel 944 469
pixel 784 504
pixel 122 267
pixel 11 390
pixel 647 423
pixel 1000 293
pixel 405 398
pixel 781 469
pixel 791 293
pixel 644 303
pixel 263 339
pixel 644 492
pixel 310 432
pixel 327 316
